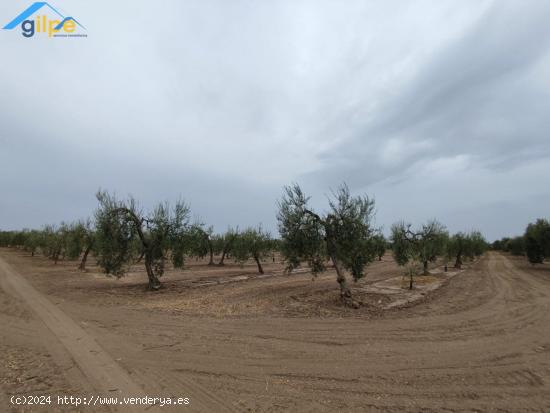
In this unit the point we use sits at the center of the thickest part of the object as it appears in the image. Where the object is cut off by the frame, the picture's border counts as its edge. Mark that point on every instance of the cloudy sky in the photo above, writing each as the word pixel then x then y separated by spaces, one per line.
pixel 438 109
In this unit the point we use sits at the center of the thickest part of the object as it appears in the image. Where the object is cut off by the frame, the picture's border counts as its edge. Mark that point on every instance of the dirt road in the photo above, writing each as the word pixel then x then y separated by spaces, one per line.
pixel 480 343
pixel 103 372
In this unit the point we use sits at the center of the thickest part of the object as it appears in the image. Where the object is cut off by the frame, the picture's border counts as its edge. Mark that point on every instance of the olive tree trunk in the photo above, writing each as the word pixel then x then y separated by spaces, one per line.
pixel 224 253
pixel 458 262
pixel 154 282
pixel 345 292
pixel 211 250
pixel 82 266
pixel 260 269
pixel 426 272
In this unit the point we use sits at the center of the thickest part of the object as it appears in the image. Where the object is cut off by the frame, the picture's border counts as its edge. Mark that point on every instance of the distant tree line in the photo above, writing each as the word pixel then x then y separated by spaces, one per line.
pixel 534 243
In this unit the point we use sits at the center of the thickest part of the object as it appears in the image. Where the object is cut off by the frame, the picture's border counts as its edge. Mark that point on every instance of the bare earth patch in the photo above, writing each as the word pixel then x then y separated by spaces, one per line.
pixel 461 342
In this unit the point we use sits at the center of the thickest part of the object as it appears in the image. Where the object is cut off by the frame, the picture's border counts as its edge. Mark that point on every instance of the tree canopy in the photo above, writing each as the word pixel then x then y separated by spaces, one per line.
pixel 252 243
pixel 424 244
pixel 124 232
pixel 537 241
pixel 344 234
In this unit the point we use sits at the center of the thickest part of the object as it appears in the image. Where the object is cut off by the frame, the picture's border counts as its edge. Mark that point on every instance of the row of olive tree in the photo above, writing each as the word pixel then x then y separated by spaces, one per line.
pixel 122 234
pixel 534 243
pixel 424 244
pixel 514 245
pixel 465 246
pixel 64 241
pixel 346 236
pixel 432 241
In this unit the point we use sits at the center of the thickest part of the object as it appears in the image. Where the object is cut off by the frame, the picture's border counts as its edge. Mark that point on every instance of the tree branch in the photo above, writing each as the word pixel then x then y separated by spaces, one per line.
pixel 138 222
pixel 313 214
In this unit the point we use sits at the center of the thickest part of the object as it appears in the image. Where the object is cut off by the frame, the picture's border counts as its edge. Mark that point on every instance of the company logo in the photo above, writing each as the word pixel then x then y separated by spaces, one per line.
pixel 41 18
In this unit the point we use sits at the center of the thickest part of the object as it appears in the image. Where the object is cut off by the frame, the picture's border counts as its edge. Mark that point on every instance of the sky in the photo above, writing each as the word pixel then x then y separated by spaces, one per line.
pixel 436 109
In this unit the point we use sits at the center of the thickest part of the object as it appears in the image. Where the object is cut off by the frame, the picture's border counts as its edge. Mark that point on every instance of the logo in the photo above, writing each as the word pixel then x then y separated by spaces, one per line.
pixel 41 18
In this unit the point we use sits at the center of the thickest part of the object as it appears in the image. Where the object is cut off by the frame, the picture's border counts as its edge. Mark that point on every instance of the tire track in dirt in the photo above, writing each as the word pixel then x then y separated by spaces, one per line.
pixel 99 368
pixel 508 325
pixel 106 375
pixel 477 344
pixel 506 300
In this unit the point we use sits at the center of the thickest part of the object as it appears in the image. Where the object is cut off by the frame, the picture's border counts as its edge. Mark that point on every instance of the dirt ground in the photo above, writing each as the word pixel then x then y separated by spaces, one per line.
pixel 231 340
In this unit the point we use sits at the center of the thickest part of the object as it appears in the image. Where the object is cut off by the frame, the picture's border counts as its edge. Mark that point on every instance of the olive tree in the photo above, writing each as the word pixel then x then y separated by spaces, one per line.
pixel 53 242
pixel 344 234
pixel 18 239
pixel 380 245
pixel 457 247
pixel 500 245
pixel 200 242
pixel 32 241
pixel 461 245
pixel 423 245
pixel 124 233
pixel 516 245
pixel 478 243
pixel 5 237
pixel 537 241
pixel 74 244
pixel 88 242
pixel 80 241
pixel 223 243
pixel 253 244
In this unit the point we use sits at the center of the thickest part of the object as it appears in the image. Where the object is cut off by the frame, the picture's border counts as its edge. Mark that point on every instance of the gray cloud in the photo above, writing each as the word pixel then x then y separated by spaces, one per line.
pixel 438 109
